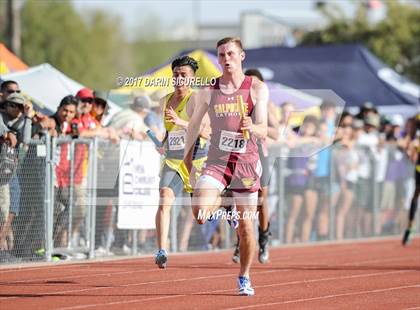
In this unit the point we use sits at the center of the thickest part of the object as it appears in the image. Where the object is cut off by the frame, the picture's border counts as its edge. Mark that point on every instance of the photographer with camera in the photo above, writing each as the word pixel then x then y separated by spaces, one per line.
pixel 15 129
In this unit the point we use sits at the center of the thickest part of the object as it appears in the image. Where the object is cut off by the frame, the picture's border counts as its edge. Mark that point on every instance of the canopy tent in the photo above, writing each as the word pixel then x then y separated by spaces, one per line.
pixel 208 68
pixel 351 71
pixel 9 62
pixel 280 94
pixel 47 86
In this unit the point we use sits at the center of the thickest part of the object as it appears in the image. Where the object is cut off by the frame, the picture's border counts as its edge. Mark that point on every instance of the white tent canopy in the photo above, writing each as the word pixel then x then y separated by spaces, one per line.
pixel 47 86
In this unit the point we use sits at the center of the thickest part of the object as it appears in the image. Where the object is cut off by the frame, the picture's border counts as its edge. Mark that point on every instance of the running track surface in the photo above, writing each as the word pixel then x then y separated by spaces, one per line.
pixel 376 274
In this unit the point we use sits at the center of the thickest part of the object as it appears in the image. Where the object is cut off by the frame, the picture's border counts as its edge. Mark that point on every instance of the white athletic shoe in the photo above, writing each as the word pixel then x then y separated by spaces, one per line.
pixel 245 288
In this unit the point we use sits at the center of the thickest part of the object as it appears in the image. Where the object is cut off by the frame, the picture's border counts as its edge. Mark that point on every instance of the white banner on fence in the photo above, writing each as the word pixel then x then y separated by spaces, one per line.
pixel 138 197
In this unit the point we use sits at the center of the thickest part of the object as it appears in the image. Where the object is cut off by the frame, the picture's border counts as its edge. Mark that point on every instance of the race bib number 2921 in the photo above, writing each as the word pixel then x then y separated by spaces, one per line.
pixel 232 142
pixel 176 140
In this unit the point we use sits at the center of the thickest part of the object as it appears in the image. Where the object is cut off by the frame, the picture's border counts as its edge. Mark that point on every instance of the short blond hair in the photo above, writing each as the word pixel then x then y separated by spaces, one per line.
pixel 235 40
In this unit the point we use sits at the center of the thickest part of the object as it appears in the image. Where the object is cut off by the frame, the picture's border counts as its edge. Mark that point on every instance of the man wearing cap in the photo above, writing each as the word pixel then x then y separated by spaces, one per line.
pixel 15 128
pixel 6 89
pixel 85 120
pixel 84 125
pixel 130 121
pixel 366 109
pixel 91 110
pixel 16 119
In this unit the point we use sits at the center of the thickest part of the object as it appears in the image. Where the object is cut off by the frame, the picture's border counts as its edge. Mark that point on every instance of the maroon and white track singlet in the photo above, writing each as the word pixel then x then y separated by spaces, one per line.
pixel 227 142
pixel 232 160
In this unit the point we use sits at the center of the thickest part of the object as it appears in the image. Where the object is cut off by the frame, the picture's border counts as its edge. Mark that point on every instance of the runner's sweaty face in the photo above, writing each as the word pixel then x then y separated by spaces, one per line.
pixel 182 76
pixel 230 57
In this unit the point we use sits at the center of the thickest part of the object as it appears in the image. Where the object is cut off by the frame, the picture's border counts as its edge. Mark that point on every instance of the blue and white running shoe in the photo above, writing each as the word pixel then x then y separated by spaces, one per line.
pixel 161 258
pixel 245 288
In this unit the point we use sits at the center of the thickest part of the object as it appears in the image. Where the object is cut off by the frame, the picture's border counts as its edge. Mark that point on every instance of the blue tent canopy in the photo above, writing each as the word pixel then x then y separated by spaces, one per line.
pixel 351 71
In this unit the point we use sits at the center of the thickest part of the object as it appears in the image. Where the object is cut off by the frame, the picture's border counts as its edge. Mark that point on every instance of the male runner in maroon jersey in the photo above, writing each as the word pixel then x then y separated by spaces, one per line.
pixel 233 159
pixel 263 210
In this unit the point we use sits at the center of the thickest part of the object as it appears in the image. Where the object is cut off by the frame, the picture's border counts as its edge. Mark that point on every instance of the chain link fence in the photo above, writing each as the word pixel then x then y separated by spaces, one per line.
pixel 63 202
pixel 74 180
pixel 23 205
pixel 364 194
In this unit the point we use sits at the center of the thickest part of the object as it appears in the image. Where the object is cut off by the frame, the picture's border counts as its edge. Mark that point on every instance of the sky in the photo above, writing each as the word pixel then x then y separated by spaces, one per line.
pixel 172 12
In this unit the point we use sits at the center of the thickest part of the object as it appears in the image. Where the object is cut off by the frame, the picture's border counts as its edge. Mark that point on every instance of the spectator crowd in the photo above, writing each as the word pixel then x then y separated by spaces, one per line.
pixel 349 163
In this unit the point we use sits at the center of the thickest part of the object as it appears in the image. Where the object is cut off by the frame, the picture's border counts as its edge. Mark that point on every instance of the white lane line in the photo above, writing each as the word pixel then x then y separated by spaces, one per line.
pixel 97 265
pixel 142 283
pixel 232 290
pixel 272 264
pixel 200 278
pixel 326 297
pixel 108 274
pixel 344 245
pixel 68 265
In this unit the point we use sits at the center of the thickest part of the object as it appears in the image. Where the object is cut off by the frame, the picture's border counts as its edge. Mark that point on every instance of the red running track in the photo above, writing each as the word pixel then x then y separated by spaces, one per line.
pixel 375 274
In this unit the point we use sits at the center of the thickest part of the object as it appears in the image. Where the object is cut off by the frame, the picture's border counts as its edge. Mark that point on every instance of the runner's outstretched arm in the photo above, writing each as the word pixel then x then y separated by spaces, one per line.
pixel 194 127
pixel 204 131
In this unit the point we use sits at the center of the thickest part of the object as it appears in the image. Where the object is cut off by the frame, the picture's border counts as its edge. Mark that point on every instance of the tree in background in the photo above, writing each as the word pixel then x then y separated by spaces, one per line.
pixel 149 44
pixel 88 46
pixel 89 50
pixel 2 22
pixel 395 39
pixel 111 52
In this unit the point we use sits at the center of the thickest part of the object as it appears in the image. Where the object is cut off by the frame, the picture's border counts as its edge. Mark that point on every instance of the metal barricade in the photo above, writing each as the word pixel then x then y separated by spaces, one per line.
pixel 74 196
pixel 65 195
pixel 368 214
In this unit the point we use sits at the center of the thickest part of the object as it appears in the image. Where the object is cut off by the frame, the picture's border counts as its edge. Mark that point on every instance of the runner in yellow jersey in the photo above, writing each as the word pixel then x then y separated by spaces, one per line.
pixel 174 181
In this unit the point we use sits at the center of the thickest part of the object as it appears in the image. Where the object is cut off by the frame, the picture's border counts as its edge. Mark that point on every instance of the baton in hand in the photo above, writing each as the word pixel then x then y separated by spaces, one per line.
pixel 243 111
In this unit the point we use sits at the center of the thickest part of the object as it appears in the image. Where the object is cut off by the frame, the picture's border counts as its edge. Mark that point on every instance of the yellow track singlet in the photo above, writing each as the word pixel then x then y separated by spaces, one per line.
pixel 175 143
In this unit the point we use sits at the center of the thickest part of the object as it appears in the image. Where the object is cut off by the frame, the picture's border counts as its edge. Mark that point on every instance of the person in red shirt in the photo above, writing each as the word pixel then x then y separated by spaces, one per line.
pixel 63 118
pixel 88 123
pixel 85 119
pixel 84 125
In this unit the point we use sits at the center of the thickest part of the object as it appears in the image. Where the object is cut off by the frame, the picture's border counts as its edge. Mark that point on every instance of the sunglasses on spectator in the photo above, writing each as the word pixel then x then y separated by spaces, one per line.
pixel 88 100
pixel 11 91
pixel 13 104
